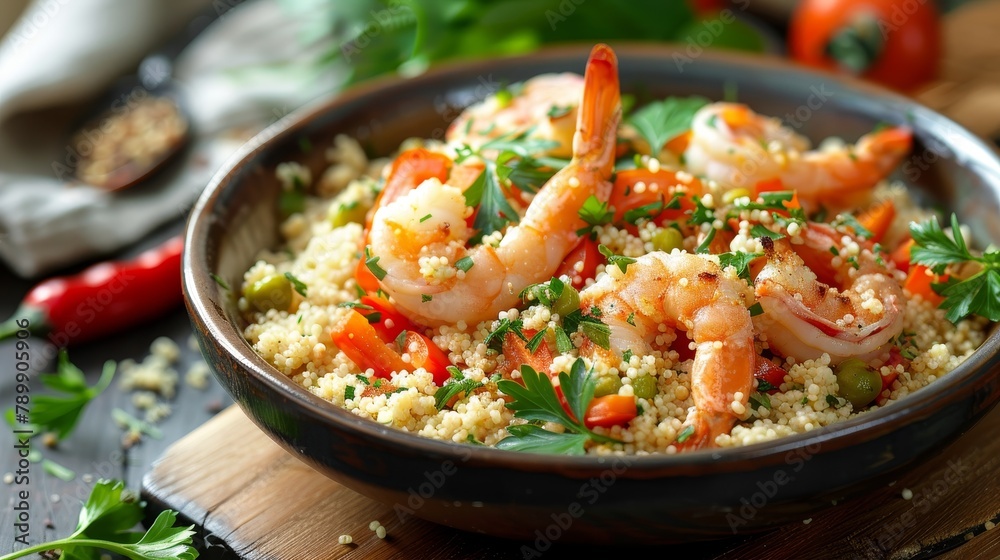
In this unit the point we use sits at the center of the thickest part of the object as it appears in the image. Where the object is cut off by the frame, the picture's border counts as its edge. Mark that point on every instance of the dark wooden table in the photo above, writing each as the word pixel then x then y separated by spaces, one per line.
pixel 94 450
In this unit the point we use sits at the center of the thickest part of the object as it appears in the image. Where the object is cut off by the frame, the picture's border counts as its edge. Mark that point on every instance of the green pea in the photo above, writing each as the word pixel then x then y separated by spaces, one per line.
pixel 607 385
pixel 270 292
pixel 858 383
pixel 343 213
pixel 567 302
pixel 667 239
pixel 644 386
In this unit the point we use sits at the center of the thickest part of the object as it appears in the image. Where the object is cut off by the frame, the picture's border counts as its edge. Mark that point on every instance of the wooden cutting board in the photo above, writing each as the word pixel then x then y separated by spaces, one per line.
pixel 246 493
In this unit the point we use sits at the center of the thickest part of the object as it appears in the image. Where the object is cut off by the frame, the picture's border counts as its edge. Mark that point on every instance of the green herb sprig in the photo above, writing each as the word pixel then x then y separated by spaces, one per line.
pixel 106 523
pixel 978 294
pixel 60 413
pixel 537 401
pixel 661 121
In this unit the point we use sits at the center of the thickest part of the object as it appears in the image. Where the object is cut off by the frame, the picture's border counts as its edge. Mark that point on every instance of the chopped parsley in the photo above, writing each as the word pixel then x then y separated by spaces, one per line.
pixel 557 111
pixel 630 319
pixel 686 433
pixel 457 385
pixel 758 230
pixel 425 218
pixel 536 340
pixel 372 264
pixel 739 260
pixel 218 280
pixel 464 264
pixel 349 392
pixel 763 386
pixel 299 285
pixel 703 249
pixel 759 400
pixel 755 310
pixel 424 298
pixel 620 261
pixel 851 222
pixel 833 401
pixel 494 340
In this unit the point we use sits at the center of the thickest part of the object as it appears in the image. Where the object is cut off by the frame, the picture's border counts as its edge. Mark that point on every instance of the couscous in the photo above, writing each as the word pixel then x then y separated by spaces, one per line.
pixel 554 278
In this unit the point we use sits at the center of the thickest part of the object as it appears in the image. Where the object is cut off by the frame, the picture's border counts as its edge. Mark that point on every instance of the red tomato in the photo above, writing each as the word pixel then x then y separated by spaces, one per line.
pixel 624 196
pixel 424 353
pixel 894 42
pixel 765 370
pixel 581 263
pixel 391 322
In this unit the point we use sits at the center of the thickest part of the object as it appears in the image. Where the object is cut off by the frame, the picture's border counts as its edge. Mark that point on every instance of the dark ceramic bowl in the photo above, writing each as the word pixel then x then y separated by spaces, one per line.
pixel 651 499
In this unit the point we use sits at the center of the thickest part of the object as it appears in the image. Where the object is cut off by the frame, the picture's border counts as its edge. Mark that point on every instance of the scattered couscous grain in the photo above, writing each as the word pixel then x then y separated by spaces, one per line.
pixel 345 539
pixel 907 494
pixel 380 532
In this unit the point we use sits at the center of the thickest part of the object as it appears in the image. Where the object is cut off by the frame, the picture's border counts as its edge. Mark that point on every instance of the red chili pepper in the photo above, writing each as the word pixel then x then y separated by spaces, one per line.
pixel 105 298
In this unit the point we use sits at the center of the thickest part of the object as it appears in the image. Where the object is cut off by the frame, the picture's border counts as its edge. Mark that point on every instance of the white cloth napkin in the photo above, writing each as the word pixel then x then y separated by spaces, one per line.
pixel 242 73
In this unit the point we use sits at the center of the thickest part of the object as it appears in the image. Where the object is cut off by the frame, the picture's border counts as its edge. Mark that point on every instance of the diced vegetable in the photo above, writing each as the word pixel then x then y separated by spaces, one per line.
pixel 567 302
pixel 918 283
pixel 366 278
pixel 388 322
pixel 581 263
pixel 424 353
pixel 667 239
pixel 901 255
pixel 768 375
pixel 610 410
pixel 273 291
pixel 359 341
pixel 607 385
pixel 877 219
pixel 858 383
pixel 644 386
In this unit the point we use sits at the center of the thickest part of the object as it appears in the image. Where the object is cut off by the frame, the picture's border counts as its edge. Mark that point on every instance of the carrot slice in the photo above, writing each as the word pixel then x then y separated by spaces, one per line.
pixel 610 410
pixel 360 342
pixel 877 219
pixel 919 280
pixel 901 255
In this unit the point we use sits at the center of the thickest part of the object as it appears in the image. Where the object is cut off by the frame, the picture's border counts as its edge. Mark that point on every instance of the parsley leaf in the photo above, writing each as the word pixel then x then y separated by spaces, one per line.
pixel 594 213
pixel 759 230
pixel 529 438
pixel 105 523
pixel 299 286
pixel 851 222
pixel 661 121
pixel 459 384
pixel 620 261
pixel 739 260
pixel 494 210
pixel 756 309
pixel 494 340
pixel 218 280
pixel 537 400
pixel 59 414
pixel 980 293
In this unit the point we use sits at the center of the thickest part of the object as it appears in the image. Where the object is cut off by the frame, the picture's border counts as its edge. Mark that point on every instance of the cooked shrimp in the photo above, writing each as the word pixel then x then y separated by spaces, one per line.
pixel 420 237
pixel 806 318
pixel 739 148
pixel 691 293
pixel 544 106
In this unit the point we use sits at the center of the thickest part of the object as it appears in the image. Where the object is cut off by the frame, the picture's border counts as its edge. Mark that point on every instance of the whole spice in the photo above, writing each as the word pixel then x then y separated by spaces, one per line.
pixel 105 298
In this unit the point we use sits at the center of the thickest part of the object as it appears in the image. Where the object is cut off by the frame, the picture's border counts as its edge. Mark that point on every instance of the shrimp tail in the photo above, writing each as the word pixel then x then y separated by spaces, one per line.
pixel 600 112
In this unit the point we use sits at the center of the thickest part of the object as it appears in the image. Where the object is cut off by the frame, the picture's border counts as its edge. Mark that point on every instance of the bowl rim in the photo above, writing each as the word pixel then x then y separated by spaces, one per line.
pixel 201 290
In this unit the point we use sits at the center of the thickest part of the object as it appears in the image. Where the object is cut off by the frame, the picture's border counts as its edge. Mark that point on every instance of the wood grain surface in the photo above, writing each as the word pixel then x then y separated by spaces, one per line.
pixel 244 491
